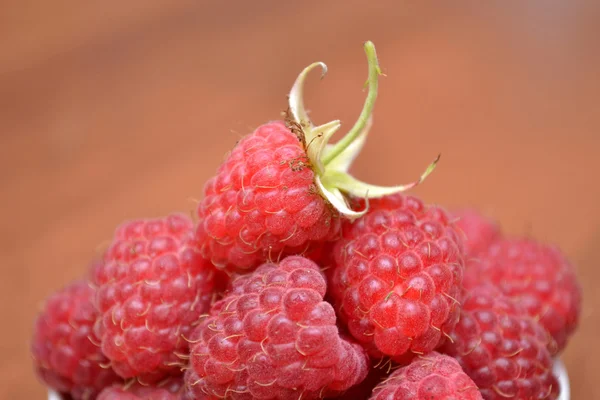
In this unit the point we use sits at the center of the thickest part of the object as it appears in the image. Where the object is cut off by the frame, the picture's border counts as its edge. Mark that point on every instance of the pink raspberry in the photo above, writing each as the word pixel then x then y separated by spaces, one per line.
pixel 284 187
pixel 263 202
pixel 502 349
pixel 169 389
pixel 152 287
pixel 273 337
pixel 479 231
pixel 65 351
pixel 538 276
pixel 397 277
pixel 430 377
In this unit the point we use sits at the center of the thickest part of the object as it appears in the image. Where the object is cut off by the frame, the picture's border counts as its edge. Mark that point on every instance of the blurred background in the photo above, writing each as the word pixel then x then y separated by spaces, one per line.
pixel 114 110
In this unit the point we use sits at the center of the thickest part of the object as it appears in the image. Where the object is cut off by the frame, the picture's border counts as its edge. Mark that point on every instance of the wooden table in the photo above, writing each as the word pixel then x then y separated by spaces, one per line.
pixel 113 110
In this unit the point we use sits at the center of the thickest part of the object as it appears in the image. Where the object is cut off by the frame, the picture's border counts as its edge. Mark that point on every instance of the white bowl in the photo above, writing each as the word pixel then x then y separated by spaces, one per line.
pixel 559 370
pixel 563 379
pixel 52 395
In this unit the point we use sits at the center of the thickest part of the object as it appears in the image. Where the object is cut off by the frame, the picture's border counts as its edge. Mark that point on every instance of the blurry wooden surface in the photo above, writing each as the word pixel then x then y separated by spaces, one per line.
pixel 112 110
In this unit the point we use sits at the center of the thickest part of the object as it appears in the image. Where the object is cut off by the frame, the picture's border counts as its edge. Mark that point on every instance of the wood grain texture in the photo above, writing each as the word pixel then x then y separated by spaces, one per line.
pixel 113 110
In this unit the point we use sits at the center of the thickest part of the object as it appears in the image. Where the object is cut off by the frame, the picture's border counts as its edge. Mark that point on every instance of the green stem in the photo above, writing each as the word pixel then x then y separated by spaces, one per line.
pixel 374 72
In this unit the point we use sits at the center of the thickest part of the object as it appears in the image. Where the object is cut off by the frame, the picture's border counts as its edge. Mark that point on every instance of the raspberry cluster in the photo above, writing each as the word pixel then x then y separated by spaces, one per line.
pixel 297 281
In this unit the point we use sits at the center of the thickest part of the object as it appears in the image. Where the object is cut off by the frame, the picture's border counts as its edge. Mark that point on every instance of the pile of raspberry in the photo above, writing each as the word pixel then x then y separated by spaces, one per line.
pixel 288 285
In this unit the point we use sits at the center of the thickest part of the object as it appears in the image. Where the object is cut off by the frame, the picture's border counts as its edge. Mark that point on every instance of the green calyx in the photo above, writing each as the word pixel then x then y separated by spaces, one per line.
pixel 331 162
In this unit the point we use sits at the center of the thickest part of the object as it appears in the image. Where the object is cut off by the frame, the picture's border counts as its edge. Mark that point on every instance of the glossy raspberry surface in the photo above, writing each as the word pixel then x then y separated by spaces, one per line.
pixel 65 351
pixel 273 337
pixel 263 203
pixel 502 349
pixel 397 276
pixel 538 276
pixel 152 286
pixel 169 389
pixel 430 377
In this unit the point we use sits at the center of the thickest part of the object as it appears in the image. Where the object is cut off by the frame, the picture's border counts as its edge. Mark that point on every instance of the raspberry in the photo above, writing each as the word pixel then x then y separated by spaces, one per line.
pixel 263 202
pixel 273 337
pixel 152 287
pixel 538 276
pixel 479 231
pixel 501 348
pixel 283 188
pixel 66 353
pixel 432 376
pixel 397 277
pixel 169 389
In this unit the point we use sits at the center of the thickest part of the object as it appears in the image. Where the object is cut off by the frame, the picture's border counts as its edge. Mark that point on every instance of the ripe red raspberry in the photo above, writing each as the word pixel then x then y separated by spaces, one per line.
pixel 263 202
pixel 397 277
pixel 66 353
pixel 432 376
pixel 169 389
pixel 538 276
pixel 273 337
pixel 479 231
pixel 501 348
pixel 152 287
pixel 283 188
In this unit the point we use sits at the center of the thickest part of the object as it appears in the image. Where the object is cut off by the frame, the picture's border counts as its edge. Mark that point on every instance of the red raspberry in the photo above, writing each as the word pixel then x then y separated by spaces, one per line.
pixel 502 349
pixel 433 376
pixel 152 287
pixel 66 352
pixel 273 337
pixel 479 231
pixel 539 277
pixel 283 188
pixel 263 202
pixel 169 389
pixel 397 277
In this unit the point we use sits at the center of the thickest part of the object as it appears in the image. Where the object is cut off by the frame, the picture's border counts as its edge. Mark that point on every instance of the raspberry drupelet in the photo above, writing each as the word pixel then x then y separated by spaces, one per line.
pixel 273 337
pixel 282 190
pixel 433 376
pixel 397 276
pixel 501 348
pixel 151 287
pixel 66 353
